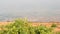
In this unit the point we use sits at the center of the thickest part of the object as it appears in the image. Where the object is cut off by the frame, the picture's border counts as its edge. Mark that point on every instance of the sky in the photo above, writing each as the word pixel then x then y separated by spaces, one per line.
pixel 37 8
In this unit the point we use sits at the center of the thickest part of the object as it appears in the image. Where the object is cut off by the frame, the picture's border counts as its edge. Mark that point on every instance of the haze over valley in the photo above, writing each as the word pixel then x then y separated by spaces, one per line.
pixel 43 10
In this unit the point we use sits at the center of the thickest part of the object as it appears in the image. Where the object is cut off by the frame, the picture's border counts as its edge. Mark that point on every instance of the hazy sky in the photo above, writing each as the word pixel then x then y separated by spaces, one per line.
pixel 10 8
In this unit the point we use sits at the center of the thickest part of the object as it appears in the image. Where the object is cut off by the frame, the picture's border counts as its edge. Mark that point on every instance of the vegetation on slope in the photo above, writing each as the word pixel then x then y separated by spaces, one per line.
pixel 22 26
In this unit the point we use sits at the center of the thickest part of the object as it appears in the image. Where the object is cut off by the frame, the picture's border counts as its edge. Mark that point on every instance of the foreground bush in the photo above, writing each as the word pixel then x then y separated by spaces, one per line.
pixel 22 26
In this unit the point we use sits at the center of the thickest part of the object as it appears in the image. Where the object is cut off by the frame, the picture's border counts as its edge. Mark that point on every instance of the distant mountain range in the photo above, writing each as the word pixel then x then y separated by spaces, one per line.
pixel 45 19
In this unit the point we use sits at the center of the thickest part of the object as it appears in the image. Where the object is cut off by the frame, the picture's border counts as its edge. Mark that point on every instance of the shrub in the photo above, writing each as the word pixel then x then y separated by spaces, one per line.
pixel 21 26
pixel 53 25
